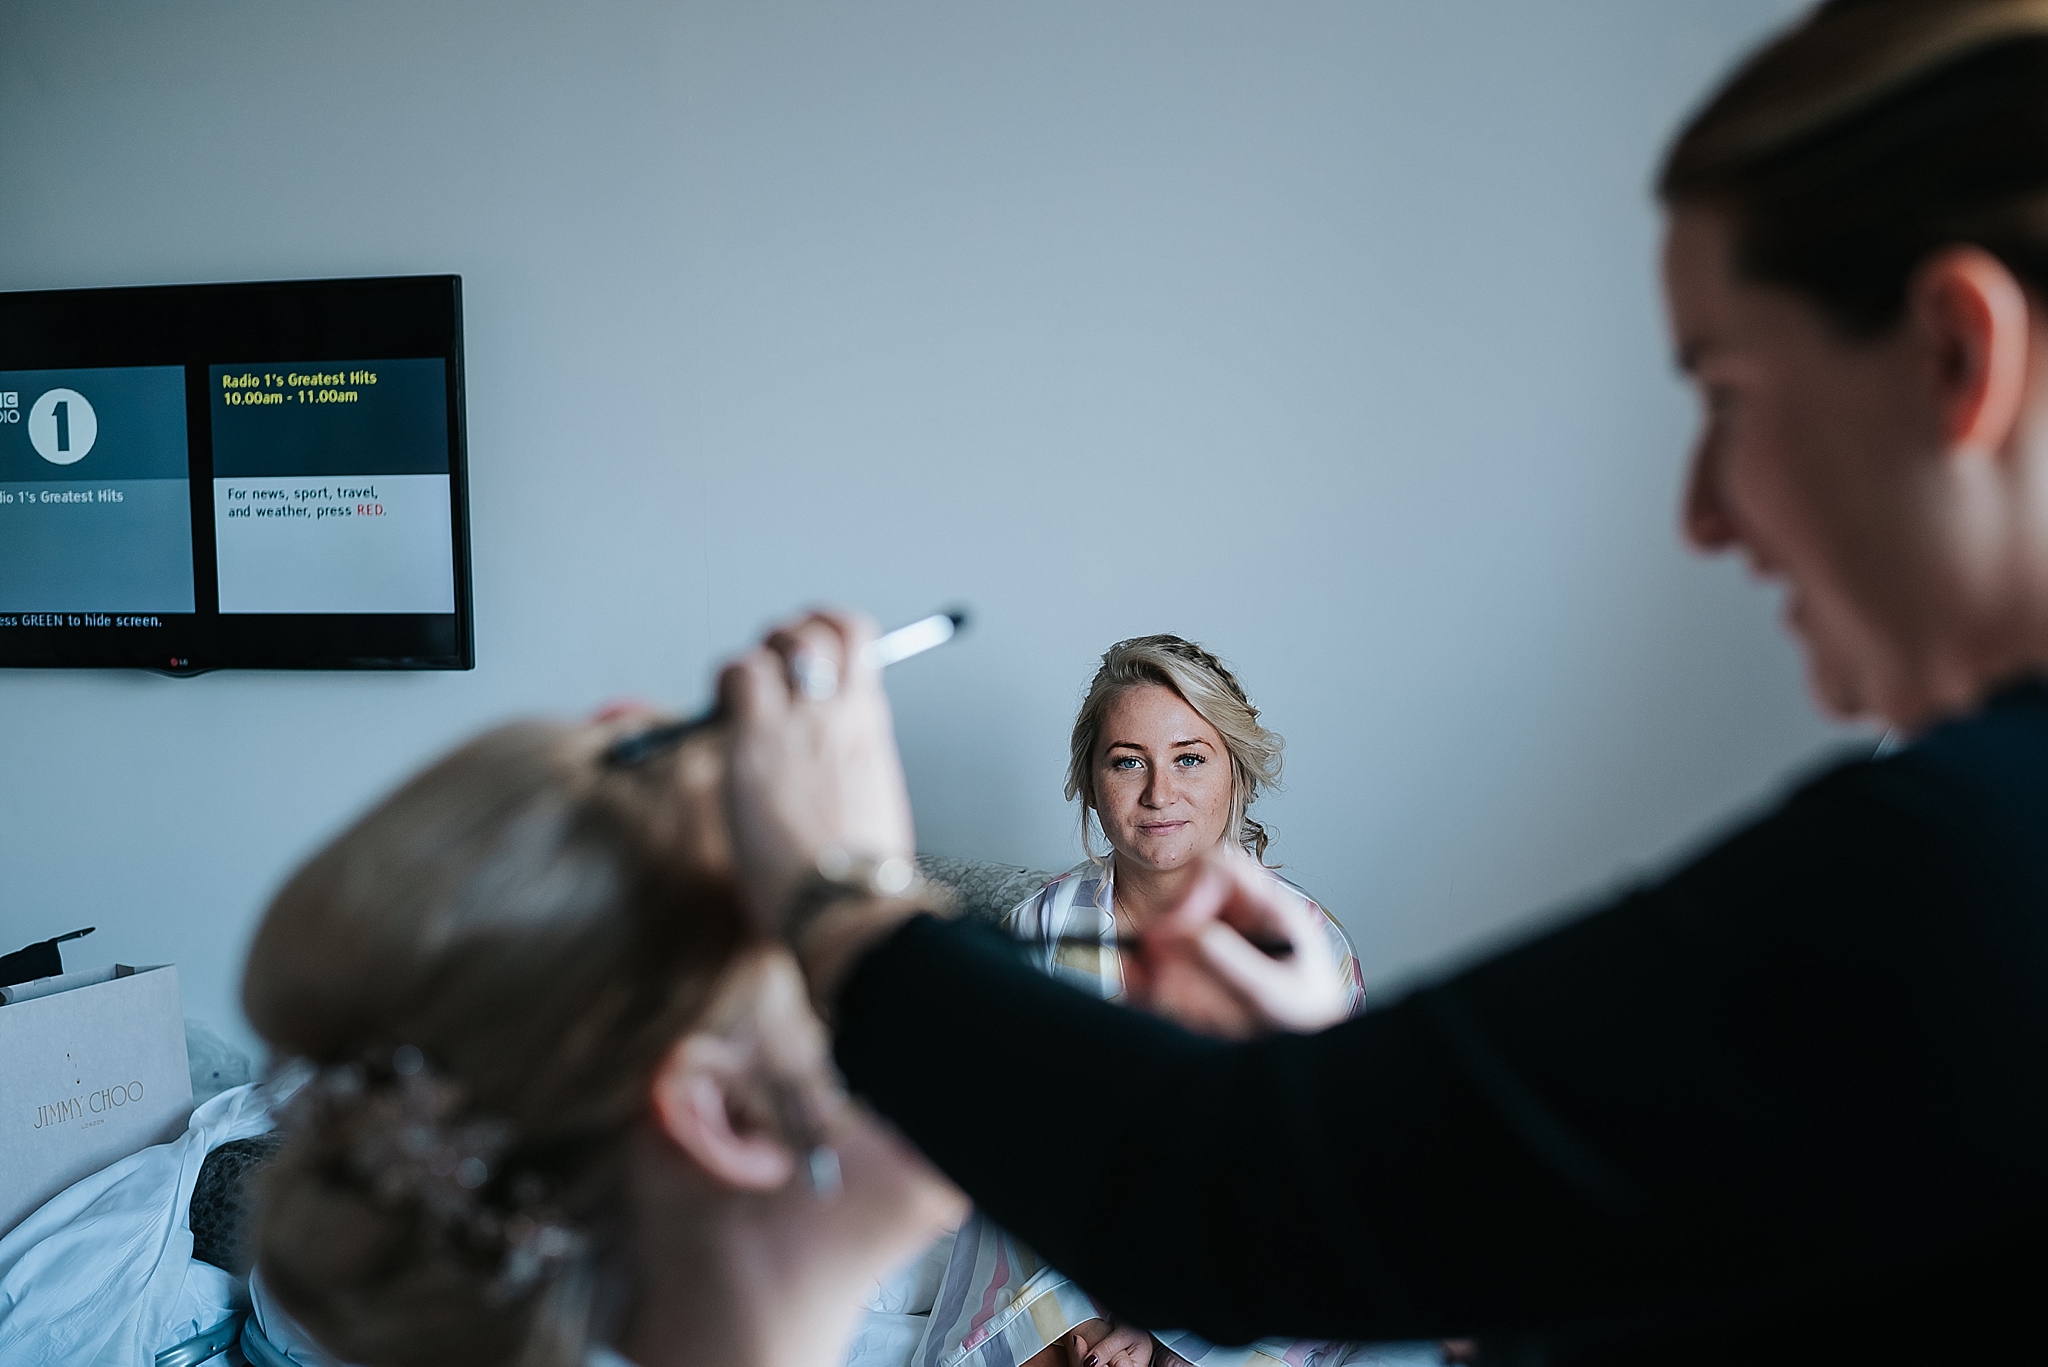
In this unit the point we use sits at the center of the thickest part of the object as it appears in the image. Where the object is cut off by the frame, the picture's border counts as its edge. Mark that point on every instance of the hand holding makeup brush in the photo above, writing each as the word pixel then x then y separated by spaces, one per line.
pixel 812 770
pixel 1237 957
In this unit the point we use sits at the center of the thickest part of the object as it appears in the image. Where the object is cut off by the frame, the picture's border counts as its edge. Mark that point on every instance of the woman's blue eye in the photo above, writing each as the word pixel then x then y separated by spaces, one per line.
pixel 1124 762
pixel 1188 761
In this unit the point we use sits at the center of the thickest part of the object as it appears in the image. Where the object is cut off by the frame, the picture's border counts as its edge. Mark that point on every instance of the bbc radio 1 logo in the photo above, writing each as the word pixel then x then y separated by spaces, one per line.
pixel 61 424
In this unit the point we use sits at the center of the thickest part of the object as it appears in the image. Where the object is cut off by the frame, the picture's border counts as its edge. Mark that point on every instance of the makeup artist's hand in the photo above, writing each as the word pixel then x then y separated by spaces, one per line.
pixel 1195 964
pixel 809 770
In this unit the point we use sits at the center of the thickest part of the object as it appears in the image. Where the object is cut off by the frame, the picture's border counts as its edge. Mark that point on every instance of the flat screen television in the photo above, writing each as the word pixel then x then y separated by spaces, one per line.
pixel 246 476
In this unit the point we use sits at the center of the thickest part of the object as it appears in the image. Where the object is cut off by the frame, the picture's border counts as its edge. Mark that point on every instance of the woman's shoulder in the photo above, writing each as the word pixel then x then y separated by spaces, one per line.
pixel 1299 891
pixel 1330 921
pixel 1341 948
pixel 1081 883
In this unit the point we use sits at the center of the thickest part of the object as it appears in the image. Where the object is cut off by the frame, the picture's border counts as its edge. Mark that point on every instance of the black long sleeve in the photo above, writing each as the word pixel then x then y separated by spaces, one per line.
pixel 1808 1070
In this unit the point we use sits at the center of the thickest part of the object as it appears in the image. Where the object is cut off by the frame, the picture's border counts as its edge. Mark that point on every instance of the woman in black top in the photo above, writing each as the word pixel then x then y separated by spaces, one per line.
pixel 1790 1102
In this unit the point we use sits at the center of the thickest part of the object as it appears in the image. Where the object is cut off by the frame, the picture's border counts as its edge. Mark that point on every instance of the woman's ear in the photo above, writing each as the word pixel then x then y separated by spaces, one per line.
pixel 706 1100
pixel 1974 317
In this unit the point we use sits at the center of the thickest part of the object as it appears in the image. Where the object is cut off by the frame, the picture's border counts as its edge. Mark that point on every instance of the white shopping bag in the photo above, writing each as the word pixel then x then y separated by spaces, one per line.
pixel 92 1068
pixel 102 1275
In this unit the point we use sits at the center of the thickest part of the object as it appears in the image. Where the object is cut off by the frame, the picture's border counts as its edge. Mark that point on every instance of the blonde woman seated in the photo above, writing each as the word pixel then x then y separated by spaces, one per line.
pixel 1168 755
pixel 565 1104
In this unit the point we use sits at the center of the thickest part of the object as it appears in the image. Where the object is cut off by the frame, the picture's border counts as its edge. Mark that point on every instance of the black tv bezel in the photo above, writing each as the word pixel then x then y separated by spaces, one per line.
pixel 243 323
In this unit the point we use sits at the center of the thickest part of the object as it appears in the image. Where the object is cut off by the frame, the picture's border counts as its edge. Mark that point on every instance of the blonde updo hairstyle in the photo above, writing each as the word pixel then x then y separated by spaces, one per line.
pixel 533 930
pixel 1204 683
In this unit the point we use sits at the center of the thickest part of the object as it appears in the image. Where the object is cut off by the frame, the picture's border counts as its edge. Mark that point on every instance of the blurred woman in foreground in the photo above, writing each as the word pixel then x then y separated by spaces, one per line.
pixel 564 1097
pixel 1786 1104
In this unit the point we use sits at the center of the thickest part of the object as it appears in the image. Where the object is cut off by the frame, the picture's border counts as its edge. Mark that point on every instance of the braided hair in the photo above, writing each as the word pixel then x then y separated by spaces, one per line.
pixel 483 974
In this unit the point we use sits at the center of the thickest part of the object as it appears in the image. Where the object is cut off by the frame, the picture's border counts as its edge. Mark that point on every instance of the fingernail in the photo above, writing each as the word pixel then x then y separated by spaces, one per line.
pixel 1090 1362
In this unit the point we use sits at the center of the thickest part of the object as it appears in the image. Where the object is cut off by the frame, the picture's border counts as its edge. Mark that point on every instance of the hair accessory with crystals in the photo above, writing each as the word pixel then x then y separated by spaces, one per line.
pixel 408 1144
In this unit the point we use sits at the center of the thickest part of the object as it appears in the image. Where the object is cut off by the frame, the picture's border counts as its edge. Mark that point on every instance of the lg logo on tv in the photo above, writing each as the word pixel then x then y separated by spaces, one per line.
pixel 61 426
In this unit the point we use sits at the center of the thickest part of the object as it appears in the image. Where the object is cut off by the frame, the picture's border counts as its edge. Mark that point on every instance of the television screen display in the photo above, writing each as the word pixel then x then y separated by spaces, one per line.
pixel 256 476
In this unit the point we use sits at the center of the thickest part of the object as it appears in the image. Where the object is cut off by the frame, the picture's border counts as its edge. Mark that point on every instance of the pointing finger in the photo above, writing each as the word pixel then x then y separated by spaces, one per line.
pixel 752 688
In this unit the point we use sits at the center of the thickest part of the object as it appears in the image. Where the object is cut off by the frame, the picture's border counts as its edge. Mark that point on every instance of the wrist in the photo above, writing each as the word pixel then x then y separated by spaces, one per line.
pixel 839 937
pixel 845 907
pixel 836 876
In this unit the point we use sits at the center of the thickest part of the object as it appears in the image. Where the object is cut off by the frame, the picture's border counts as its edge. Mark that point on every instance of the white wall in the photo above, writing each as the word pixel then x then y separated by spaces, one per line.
pixel 1325 333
